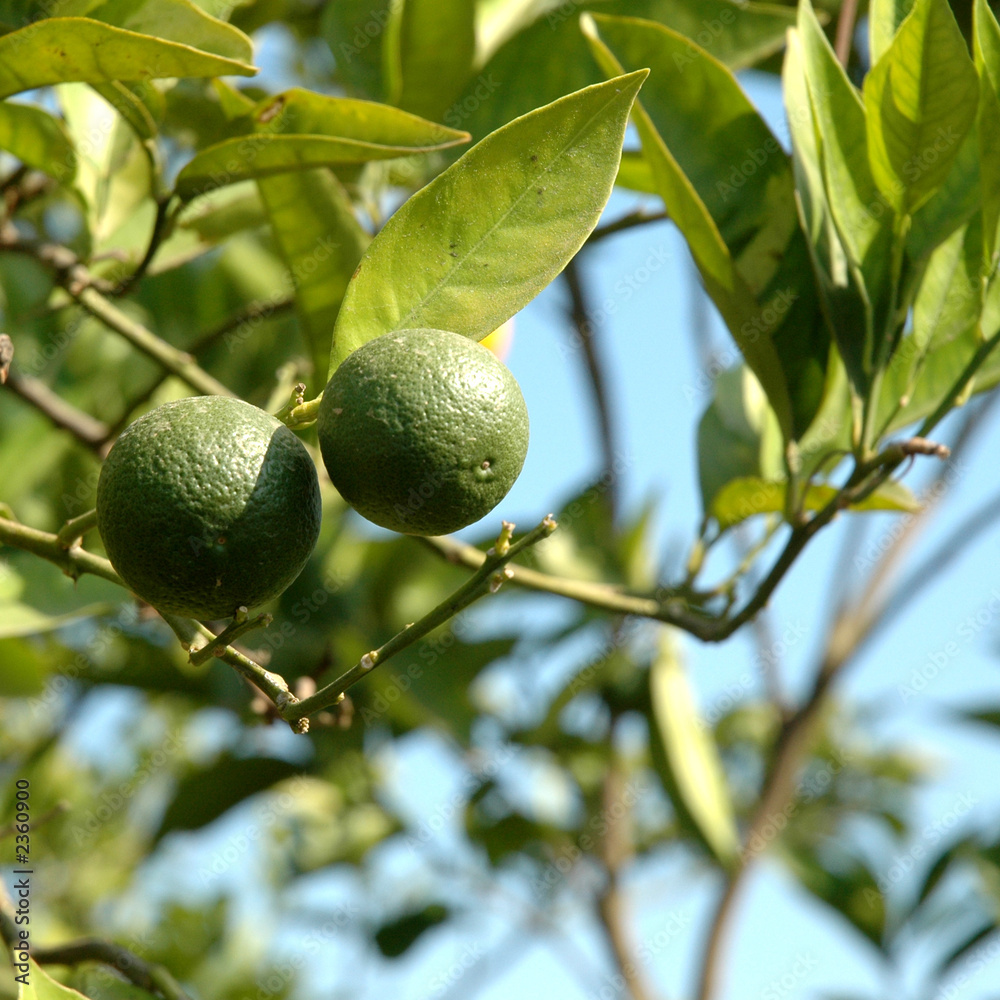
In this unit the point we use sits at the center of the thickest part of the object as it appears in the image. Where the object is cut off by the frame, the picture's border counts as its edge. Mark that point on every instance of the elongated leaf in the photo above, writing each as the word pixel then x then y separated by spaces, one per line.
pixel 321 242
pixel 247 158
pixel 176 21
pixel 18 619
pixel 884 19
pixel 62 49
pixel 737 34
pixel 39 985
pixel 688 758
pixel 921 100
pixel 744 498
pixel 140 104
pixel 37 140
pixel 986 48
pixel 485 237
pixel 635 173
pixel 724 283
pixel 399 935
pixel 437 45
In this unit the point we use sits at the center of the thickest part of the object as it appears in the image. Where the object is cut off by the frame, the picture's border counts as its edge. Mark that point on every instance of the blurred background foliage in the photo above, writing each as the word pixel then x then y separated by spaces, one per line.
pixel 178 810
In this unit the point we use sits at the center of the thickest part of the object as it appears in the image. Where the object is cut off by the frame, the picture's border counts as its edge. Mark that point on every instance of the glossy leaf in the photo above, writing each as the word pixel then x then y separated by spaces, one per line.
pixel 986 49
pixel 321 241
pixel 921 99
pixel 62 49
pixel 480 241
pixel 37 139
pixel 688 758
pixel 437 46
pixel 743 498
pixel 727 288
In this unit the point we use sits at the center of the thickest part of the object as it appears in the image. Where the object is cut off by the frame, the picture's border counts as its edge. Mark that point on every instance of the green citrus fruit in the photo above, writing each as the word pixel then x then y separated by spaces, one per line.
pixel 206 504
pixel 423 431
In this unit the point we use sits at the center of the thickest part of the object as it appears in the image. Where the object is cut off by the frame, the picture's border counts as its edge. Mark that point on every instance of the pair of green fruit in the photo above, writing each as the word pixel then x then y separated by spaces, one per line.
pixel 208 503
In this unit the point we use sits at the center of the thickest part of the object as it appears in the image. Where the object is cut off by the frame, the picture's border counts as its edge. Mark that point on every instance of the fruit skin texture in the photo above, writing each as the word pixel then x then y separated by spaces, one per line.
pixel 206 504
pixel 423 431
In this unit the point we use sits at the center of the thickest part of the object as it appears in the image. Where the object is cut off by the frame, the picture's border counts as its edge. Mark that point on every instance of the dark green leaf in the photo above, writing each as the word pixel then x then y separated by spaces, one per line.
pixel 37 139
pixel 398 936
pixel 205 795
pixel 986 49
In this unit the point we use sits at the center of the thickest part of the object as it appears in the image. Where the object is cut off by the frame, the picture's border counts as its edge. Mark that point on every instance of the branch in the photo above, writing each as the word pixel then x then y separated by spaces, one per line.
pixel 580 317
pixel 89 432
pixel 145 975
pixel 630 221
pixel 487 580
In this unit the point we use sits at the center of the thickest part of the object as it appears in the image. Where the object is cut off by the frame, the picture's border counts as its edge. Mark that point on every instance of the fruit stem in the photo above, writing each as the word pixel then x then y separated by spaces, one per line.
pixel 482 582
pixel 75 528
pixel 295 414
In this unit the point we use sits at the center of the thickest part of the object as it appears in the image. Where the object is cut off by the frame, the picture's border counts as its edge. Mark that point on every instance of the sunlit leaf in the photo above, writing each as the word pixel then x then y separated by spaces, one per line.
pixel 37 139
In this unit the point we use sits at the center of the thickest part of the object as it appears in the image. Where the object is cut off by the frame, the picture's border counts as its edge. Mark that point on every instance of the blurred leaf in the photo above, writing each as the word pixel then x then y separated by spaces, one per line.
pixel 437 45
pixel 176 21
pixel 355 32
pixel 62 49
pixel 140 104
pixel 321 241
pixel 399 935
pixel 37 139
pixel 884 19
pixel 23 669
pixel 205 795
pixel 922 97
pixel 846 885
pixel 41 986
pixel 964 948
pixel 634 173
pixel 518 206
pixel 986 49
pixel 687 758
pixel 738 435
pixel 17 619
pixel 743 498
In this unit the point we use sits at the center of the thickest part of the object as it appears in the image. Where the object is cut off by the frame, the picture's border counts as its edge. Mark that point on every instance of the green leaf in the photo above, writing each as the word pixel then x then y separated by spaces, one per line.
pixel 854 267
pixel 205 795
pixel 41 986
pixel 738 435
pixel 17 619
pixel 634 173
pixel 399 935
pixel 921 99
pixel 24 669
pixel 437 46
pixel 63 49
pixel 723 281
pixel 140 104
pixel 176 21
pixel 986 49
pixel 688 759
pixel 321 241
pixel 37 140
pixel 481 240
pixel 884 19
pixel 743 498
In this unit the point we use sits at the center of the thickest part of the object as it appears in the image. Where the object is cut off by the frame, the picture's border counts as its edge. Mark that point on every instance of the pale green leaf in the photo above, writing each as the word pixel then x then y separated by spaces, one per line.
pixel 744 498
pixel 688 758
pixel 140 104
pixel 437 46
pixel 176 21
pixel 37 139
pixel 41 986
pixel 884 19
pixel 481 240
pixel 62 49
pixel 17 619
pixel 321 241
pixel 635 173
pixel 921 99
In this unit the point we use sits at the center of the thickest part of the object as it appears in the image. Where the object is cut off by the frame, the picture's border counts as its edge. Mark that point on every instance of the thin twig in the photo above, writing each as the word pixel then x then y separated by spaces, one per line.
pixel 583 322
pixel 487 579
pixel 626 222
pixel 845 30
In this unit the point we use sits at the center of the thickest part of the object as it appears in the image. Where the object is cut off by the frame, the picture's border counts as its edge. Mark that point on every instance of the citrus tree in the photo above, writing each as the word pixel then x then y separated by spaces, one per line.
pixel 240 312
